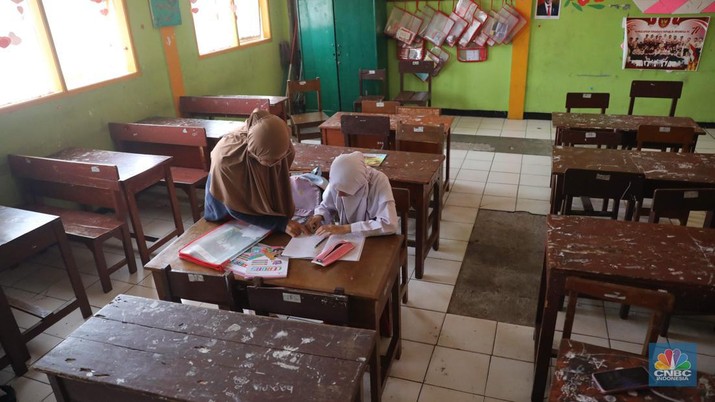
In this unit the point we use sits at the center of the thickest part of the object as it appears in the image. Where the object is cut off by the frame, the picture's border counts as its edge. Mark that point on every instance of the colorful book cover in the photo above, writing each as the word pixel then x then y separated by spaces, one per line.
pixel 261 260
pixel 374 159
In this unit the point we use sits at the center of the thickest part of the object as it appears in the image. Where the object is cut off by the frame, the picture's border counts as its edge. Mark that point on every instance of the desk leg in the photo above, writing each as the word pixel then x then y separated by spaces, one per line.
pixel 11 338
pixel 163 289
pixel 556 191
pixel 173 201
pixel 422 211
pixel 71 267
pixel 449 152
pixel 437 213
pixel 134 218
pixel 545 338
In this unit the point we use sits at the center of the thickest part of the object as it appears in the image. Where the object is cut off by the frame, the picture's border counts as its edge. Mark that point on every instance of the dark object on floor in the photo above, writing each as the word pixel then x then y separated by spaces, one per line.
pixel 500 275
pixel 7 394
pixel 502 144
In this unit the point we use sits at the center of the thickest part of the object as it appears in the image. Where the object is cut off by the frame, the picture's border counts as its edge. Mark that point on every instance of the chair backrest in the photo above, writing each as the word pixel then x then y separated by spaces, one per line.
pixel 419 111
pixel 373 75
pixel 678 202
pixel 187 145
pixel 332 308
pixel 602 184
pixel 587 100
pixel 383 107
pixel 656 89
pixel 356 128
pixel 89 184
pixel 301 87
pixel 416 67
pixel 420 138
pixel 664 137
pixel 570 137
pixel 220 106
pixel 660 303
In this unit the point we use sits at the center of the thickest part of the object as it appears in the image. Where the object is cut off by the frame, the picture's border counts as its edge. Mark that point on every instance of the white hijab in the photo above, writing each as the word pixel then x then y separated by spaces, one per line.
pixel 351 175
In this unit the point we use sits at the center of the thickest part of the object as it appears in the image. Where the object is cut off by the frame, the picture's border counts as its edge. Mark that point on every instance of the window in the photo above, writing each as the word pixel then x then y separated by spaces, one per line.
pixel 226 24
pixel 53 46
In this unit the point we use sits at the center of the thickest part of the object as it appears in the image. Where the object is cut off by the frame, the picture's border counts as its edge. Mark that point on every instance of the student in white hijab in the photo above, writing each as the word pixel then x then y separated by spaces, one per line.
pixel 358 200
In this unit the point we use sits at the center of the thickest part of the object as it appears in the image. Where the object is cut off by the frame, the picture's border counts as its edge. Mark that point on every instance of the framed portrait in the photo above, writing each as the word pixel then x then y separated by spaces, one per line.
pixel 547 9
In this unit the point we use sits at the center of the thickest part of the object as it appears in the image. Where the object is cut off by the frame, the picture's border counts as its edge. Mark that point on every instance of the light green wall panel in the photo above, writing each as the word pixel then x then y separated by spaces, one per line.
pixel 581 52
pixel 465 86
pixel 81 119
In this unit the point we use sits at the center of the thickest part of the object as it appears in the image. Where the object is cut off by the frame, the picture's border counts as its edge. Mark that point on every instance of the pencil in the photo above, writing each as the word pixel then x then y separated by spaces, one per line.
pixel 321 241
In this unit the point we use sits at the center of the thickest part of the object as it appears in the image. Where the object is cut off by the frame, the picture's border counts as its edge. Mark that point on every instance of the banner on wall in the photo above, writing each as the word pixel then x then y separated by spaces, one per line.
pixel 664 43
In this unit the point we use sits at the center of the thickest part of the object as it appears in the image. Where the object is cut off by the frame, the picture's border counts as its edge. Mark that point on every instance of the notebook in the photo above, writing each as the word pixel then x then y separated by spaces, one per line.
pixel 304 246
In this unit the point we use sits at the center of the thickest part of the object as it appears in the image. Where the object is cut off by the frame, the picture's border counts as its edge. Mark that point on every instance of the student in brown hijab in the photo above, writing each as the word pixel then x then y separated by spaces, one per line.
pixel 250 176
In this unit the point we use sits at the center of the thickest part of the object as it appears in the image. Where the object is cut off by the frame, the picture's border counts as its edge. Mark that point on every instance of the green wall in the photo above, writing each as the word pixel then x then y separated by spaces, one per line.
pixel 81 119
pixel 581 52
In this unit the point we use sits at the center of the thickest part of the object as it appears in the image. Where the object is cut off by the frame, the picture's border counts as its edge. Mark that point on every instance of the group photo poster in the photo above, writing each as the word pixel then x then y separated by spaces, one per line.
pixel 664 43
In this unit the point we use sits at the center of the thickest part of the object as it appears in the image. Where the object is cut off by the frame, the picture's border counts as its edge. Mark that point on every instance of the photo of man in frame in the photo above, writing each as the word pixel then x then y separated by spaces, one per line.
pixel 547 9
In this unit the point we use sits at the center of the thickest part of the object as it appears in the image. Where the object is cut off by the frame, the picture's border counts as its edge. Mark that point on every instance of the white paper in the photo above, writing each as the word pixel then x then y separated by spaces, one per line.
pixel 304 246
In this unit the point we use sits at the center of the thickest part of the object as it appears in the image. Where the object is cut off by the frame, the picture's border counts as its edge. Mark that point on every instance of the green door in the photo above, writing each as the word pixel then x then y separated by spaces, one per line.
pixel 317 39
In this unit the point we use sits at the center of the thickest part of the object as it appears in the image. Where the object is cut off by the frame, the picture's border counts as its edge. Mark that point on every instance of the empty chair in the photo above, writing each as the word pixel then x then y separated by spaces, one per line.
pixel 188 146
pixel 366 131
pixel 616 186
pixel 419 111
pixel 384 107
pixel 402 206
pixel 420 138
pixel 89 184
pixel 656 89
pixel 309 119
pixel 220 106
pixel 425 69
pixel 666 137
pixel 369 78
pixel 587 100
pixel 678 202
pixel 570 137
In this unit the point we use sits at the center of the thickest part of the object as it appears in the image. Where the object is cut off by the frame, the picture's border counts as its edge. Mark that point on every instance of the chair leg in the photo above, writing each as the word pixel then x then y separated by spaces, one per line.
pixel 128 250
pixel 101 263
pixel 405 281
pixel 193 202
pixel 666 325
pixel 625 309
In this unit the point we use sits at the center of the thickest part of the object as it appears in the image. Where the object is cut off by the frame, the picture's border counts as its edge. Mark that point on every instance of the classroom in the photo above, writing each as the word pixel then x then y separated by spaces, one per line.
pixel 536 178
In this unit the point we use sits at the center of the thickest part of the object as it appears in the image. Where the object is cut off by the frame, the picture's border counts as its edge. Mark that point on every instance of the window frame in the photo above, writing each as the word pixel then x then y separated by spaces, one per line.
pixel 266 36
pixel 121 6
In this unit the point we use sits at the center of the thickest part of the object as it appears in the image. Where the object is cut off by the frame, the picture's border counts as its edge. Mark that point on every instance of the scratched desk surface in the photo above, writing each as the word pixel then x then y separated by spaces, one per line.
pixel 577 361
pixel 596 121
pixel 142 349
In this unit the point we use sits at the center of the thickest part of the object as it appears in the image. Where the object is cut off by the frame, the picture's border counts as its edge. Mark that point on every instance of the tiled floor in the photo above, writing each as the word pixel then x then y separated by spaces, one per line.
pixel 445 356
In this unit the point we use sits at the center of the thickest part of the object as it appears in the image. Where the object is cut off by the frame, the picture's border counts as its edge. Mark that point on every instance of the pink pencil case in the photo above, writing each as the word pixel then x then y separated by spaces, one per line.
pixel 333 253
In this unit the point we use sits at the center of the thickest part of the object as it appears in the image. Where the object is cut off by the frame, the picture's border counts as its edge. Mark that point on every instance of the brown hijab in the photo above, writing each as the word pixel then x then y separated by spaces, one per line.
pixel 250 169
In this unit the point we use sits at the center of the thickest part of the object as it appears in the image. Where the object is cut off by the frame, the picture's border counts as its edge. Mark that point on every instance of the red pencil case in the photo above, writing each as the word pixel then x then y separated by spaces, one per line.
pixel 333 253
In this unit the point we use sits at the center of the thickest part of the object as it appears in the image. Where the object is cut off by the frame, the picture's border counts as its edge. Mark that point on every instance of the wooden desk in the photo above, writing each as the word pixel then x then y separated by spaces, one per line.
pixel 626 124
pixel 23 234
pixel 369 283
pixel 136 173
pixel 332 135
pixel 572 377
pixel 678 259
pixel 137 349
pixel 215 129
pixel 661 169
pixel 278 105
pixel 417 172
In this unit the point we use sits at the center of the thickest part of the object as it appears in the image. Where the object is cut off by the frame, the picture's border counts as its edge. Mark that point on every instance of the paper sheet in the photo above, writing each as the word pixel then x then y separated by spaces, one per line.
pixel 304 246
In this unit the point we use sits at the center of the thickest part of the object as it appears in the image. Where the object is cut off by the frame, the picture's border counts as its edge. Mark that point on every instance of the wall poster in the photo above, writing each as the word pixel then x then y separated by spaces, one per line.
pixel 664 43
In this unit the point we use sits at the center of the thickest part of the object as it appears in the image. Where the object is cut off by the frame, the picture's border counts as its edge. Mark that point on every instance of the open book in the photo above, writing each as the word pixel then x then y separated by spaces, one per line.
pixel 217 247
pixel 305 246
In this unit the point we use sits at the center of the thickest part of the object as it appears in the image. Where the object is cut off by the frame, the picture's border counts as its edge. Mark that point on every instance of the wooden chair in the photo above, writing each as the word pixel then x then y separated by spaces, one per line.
pixel 587 100
pixel 366 131
pixel 402 205
pixel 420 98
pixel 610 139
pixel 188 146
pixel 88 184
pixel 663 137
pixel 656 89
pixel 377 76
pixel 419 111
pixel 380 107
pixel 677 203
pixel 332 308
pixel 300 121
pixel 614 186
pixel 220 106
pixel 420 138
pixel 660 303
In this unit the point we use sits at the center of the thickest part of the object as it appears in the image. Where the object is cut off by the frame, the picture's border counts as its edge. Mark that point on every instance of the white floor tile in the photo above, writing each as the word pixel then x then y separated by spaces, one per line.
pixel 536 160
pixel 535 207
pixel 467 333
pixel 519 125
pixel 508 167
pixel 538 135
pixel 497 203
pixel 475 164
pixel 464 130
pixel 588 320
pixel 459 370
pixel 429 296
pixel 455 230
pixel 534 180
pixel 466 200
pixel 469 121
pixel 492 123
pixel 441 271
pixel 534 193
pixel 469 187
pixel 504 157
pixel 430 393
pixel 510 379
pixel 451 213
pixel 479 155
pixel 421 325
pixel 397 390
pixel 472 175
pixel 542 170
pixel 513 133
pixel 514 342
pixel 501 189
pixel 449 250
pixel 28 390
pixel 413 362
pixel 488 132
pixel 499 177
